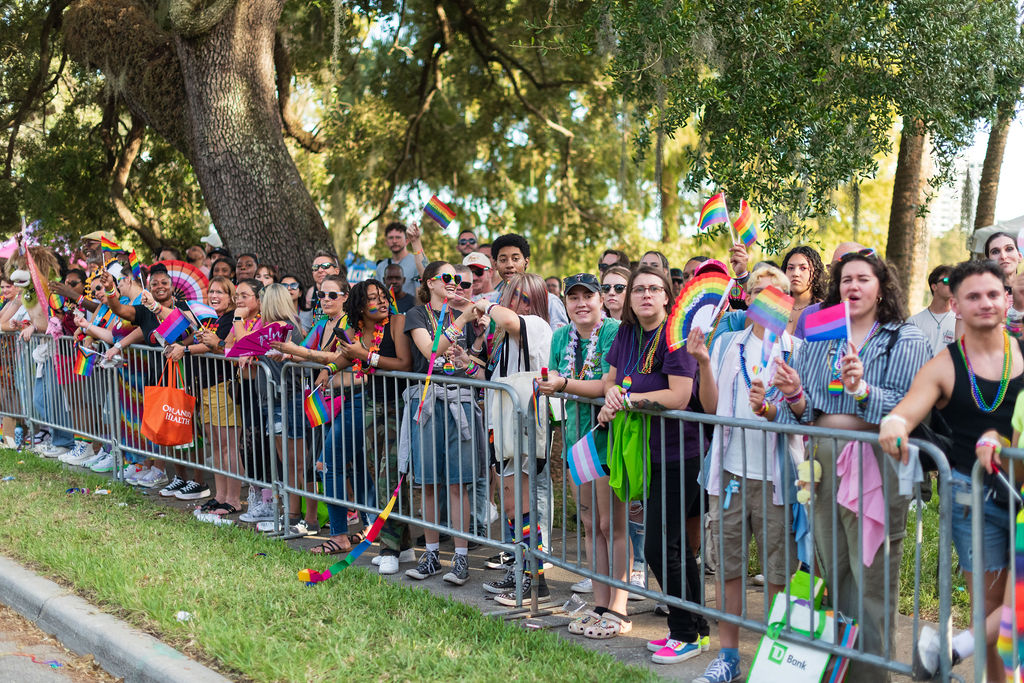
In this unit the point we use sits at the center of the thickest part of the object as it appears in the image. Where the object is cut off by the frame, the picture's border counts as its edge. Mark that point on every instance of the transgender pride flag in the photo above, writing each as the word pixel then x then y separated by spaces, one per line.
pixel 584 461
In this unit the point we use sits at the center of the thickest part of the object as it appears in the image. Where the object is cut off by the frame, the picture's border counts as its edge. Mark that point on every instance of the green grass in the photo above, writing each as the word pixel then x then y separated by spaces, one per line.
pixel 251 615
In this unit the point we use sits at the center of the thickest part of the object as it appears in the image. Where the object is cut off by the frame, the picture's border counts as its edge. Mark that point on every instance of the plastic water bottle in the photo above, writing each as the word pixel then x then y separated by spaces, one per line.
pixel 19 437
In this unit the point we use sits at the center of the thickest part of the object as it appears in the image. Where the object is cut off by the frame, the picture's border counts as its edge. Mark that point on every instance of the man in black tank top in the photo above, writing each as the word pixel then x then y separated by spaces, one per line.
pixel 974 383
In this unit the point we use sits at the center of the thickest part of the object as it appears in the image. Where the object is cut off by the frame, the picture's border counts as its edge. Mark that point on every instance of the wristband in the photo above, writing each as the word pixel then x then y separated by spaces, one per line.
pixel 996 444
pixel 111 292
pixel 472 368
pixel 860 392
pixel 80 300
pixel 565 385
pixel 795 398
pixel 332 367
pixel 760 412
pixel 892 416
pixel 488 311
pixel 117 345
pixel 374 359
pixel 237 319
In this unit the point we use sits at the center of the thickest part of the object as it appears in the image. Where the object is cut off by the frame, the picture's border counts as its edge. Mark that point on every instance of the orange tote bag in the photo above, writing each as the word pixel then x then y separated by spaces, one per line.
pixel 167 411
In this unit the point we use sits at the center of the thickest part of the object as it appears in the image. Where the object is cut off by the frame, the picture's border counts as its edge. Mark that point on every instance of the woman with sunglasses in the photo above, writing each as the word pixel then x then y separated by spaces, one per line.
pixel 806 273
pixel 443 438
pixel 850 384
pixel 294 286
pixel 522 310
pixel 643 373
pixel 613 286
pixel 578 363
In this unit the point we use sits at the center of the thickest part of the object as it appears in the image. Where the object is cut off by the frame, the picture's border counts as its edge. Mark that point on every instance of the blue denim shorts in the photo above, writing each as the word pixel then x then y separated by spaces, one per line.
pixel 996 537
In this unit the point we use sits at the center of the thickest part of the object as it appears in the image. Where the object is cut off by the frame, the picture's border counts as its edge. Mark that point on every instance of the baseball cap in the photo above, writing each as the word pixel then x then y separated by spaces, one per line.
pixel 581 280
pixel 98 235
pixel 676 273
pixel 477 259
pixel 712 265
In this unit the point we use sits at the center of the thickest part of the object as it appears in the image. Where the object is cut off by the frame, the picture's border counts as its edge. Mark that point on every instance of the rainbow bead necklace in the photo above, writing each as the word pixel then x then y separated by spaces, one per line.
pixel 979 400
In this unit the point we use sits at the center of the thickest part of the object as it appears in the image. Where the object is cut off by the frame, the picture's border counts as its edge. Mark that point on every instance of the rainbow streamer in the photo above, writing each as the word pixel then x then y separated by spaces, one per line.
pixel 771 309
pixel 311 576
pixel 42 289
pixel 714 212
pixel 85 363
pixel 107 244
pixel 316 409
pixel 706 289
pixel 433 357
pixel 136 265
pixel 439 211
pixel 744 225
pixel 392 301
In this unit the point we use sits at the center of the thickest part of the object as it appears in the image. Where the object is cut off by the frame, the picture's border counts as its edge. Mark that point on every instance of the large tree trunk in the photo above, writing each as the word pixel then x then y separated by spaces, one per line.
pixel 208 87
pixel 668 195
pixel 988 187
pixel 906 231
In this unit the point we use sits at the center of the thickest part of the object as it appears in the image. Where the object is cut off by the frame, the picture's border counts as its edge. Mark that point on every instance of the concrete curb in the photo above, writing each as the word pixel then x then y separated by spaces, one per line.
pixel 119 648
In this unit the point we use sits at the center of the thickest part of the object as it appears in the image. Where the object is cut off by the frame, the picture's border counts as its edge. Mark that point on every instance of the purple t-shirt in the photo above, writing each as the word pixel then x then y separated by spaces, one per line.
pixel 624 357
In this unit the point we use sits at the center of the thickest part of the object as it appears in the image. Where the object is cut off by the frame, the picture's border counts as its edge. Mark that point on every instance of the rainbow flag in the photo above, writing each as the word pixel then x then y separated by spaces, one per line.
pixel 136 265
pixel 107 244
pixel 392 301
pixel 85 362
pixel 713 213
pixel 828 323
pixel 439 211
pixel 172 328
pixel 316 409
pixel 744 225
pixel 706 289
pixel 771 309
pixel 585 460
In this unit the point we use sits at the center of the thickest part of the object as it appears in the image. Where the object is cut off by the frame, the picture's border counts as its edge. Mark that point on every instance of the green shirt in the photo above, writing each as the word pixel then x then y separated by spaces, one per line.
pixel 578 415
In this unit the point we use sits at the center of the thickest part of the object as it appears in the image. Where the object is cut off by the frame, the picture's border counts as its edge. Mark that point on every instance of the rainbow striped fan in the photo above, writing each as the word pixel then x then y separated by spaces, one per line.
pixel 188 281
pixel 695 305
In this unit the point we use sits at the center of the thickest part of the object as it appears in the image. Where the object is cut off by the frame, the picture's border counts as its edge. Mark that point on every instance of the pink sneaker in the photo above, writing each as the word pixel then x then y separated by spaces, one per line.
pixel 676 651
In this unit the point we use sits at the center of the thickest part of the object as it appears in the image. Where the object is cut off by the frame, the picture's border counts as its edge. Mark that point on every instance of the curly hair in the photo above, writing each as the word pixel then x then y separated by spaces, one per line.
pixel 891 307
pixel 358 298
pixel 818 285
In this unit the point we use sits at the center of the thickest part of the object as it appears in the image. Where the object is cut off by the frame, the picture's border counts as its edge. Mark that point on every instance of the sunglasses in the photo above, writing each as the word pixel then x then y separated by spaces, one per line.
pixel 72 283
pixel 867 252
pixel 330 295
pixel 677 280
pixel 619 289
pixel 448 278
pixel 479 270
pixel 464 242
pixel 466 285
pixel 291 285
pixel 944 280
pixel 323 266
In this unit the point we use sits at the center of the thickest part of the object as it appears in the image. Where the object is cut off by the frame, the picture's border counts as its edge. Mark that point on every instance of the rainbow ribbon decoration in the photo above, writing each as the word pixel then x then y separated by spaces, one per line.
pixel 433 357
pixel 136 265
pixel 107 244
pixel 311 576
pixel 744 225
pixel 714 212
pixel 392 301
pixel 439 211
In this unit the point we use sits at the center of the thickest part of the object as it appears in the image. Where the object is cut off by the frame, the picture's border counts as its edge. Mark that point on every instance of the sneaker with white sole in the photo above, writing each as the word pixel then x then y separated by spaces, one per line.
pixel 459 573
pixel 87 455
pixel 502 560
pixel 502 585
pixel 80 448
pixel 509 598
pixel 52 451
pixel 303 528
pixel 134 477
pixel 192 490
pixel 675 651
pixel 636 578
pixel 721 670
pixel 429 565
pixel 104 464
pixel 176 484
pixel 406 556
pixel 155 478
pixel 40 437
pixel 388 564
pixel 584 586
pixel 260 511
pixel 97 456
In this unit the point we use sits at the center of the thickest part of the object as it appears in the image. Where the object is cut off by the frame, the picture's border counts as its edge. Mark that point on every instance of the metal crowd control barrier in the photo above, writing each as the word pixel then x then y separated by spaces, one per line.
pixel 987 626
pixel 15 384
pixel 755 503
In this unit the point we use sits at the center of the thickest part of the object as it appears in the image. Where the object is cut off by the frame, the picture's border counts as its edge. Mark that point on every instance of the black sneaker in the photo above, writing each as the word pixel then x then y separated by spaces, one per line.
pixel 459 574
pixel 192 491
pixel 502 560
pixel 503 585
pixel 428 566
pixel 509 598
pixel 176 485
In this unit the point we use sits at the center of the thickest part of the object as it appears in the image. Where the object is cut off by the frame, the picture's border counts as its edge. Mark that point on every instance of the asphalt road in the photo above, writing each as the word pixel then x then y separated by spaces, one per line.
pixel 27 655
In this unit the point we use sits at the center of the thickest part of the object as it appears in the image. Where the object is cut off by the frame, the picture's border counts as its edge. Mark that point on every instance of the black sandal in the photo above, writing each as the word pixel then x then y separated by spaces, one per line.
pixel 329 547
pixel 356 538
pixel 209 505
pixel 222 509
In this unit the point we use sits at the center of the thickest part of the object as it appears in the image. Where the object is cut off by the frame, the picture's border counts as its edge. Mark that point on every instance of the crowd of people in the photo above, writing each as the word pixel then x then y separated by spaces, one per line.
pixel 484 315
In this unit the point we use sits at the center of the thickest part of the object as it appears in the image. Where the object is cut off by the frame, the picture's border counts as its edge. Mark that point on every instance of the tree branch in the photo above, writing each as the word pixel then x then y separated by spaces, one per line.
pixel 283 77
pixel 191 20
pixel 149 231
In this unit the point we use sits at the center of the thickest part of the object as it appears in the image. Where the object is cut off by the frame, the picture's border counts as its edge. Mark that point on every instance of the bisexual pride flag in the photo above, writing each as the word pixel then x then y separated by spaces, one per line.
pixel 585 460
pixel 439 211
pixel 172 328
pixel 828 323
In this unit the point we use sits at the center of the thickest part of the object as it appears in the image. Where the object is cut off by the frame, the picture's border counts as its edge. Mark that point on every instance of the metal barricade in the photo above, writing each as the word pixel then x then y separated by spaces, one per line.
pixel 746 507
pixel 15 387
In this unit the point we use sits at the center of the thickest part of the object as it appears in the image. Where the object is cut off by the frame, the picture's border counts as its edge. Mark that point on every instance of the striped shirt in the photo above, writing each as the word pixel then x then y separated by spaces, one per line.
pixel 888 374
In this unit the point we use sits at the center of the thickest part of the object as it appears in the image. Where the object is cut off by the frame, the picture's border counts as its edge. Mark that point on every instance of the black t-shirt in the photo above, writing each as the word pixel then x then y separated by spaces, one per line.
pixel 405 303
pixel 212 371
pixel 147 321
pixel 418 318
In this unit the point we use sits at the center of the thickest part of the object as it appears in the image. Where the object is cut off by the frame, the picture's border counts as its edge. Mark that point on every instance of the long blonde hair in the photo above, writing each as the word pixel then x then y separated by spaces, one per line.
pixel 276 306
pixel 533 287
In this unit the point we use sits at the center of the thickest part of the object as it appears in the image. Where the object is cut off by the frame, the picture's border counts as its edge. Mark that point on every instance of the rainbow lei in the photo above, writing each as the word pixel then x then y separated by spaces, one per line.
pixel 378 337
pixel 570 351
pixel 1004 382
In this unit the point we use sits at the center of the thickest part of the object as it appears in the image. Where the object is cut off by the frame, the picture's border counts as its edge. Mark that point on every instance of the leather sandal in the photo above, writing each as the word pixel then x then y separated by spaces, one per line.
pixel 580 623
pixel 610 626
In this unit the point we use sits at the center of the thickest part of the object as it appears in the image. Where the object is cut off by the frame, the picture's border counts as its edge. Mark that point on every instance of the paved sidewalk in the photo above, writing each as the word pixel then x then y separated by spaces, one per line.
pixel 27 655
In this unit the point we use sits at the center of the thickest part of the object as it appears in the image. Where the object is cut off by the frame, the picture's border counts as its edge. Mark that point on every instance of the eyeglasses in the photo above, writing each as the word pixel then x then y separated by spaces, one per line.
pixel 466 285
pixel 867 252
pixel 640 290
pixel 464 242
pixel 291 285
pixel 323 266
pixel 448 278
pixel 330 295
pixel 619 289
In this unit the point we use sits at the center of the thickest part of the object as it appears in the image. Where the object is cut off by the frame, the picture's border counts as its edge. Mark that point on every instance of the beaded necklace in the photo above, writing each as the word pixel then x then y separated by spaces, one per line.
pixel 787 356
pixel 1004 382
pixel 644 354
pixel 714 330
pixel 378 337
pixel 247 325
pixel 835 384
pixel 436 323
pixel 570 351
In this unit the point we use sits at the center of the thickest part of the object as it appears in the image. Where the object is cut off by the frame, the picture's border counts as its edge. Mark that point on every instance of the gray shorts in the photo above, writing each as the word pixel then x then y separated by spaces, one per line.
pixel 772 547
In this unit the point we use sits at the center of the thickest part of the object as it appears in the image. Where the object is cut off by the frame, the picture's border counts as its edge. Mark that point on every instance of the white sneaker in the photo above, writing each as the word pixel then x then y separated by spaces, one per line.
pixel 408 555
pixel 155 478
pixel 388 564
pixel 99 455
pixel 52 451
pixel 134 477
pixel 636 578
pixel 85 455
pixel 584 586
pixel 104 464
pixel 76 450
pixel 260 511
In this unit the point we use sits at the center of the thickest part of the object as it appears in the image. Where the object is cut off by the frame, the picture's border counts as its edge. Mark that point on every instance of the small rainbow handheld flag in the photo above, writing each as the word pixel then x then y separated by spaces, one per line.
pixel 392 301
pixel 136 265
pixel 713 213
pixel 85 362
pixel 828 323
pixel 771 309
pixel 107 244
pixel 744 225
pixel 316 409
pixel 439 211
